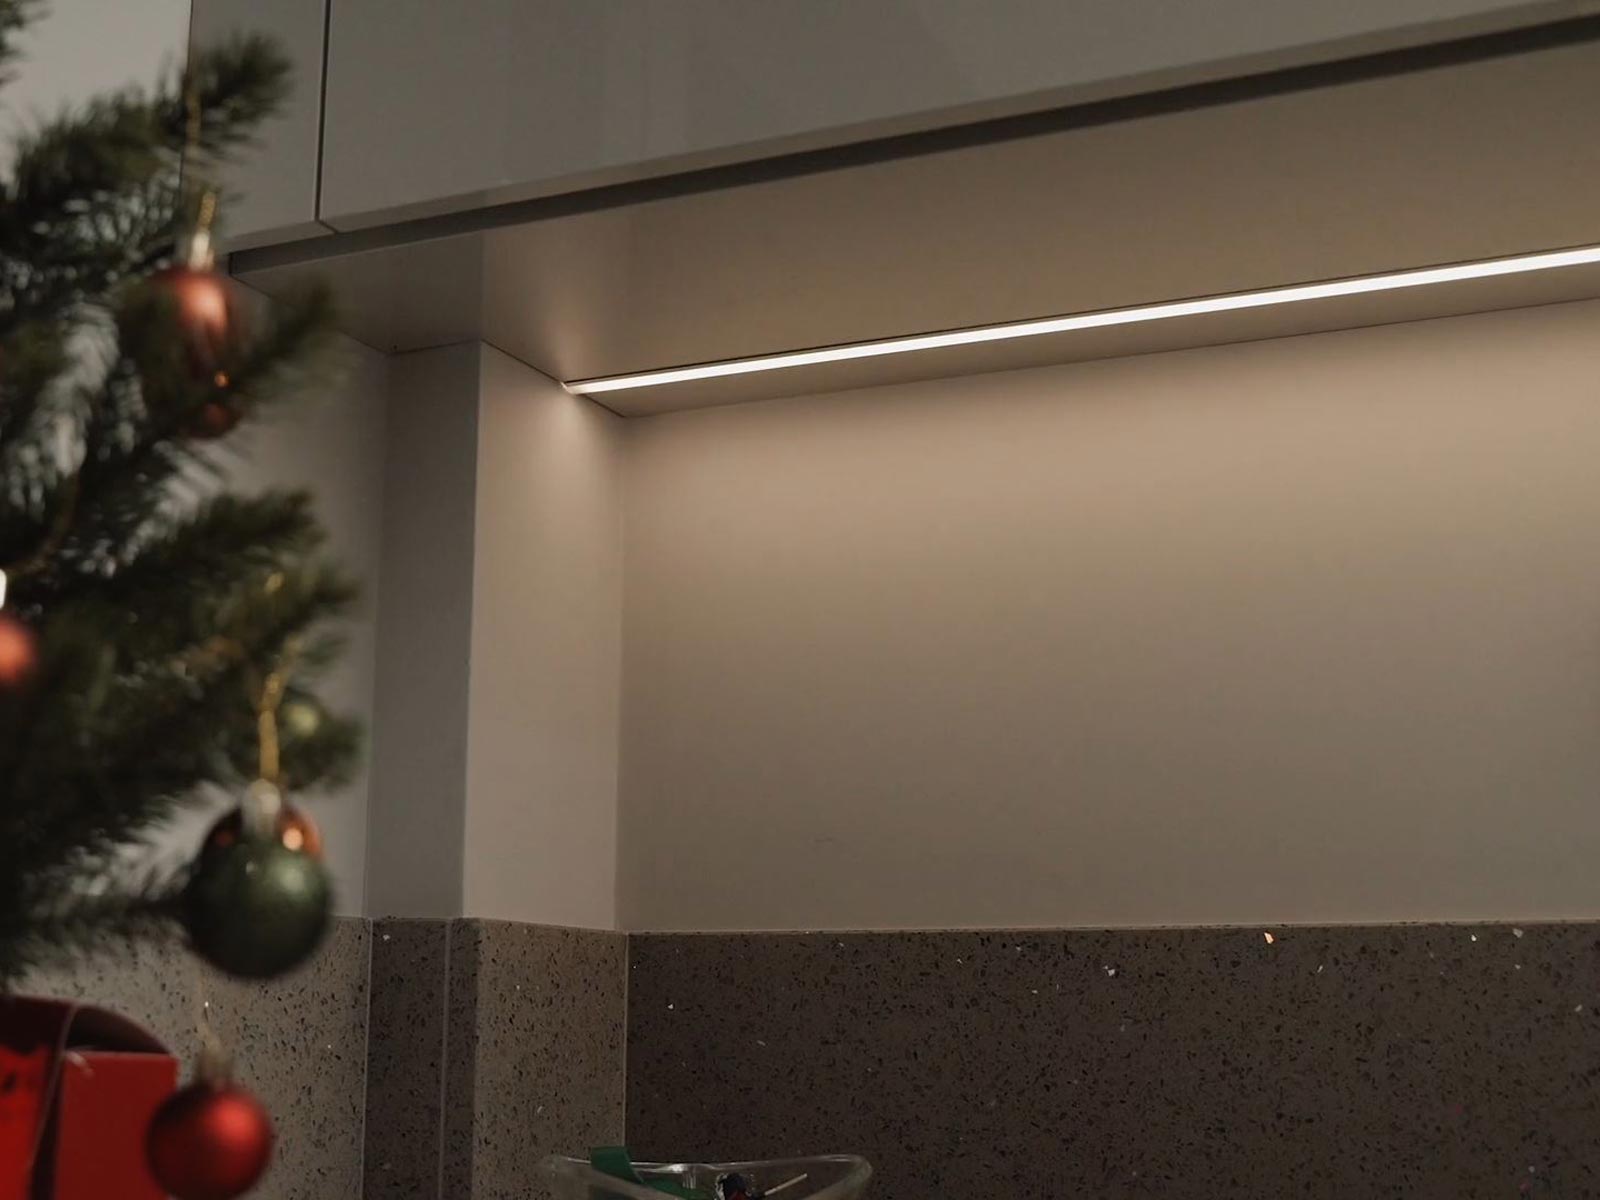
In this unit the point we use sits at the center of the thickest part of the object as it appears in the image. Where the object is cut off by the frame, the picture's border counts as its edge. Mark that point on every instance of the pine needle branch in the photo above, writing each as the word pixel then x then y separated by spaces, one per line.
pixel 96 195
pixel 15 16
pixel 65 925
pixel 156 614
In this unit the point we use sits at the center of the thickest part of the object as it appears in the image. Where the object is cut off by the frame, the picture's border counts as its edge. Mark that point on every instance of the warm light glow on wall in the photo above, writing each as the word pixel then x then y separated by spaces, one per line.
pixel 1361 285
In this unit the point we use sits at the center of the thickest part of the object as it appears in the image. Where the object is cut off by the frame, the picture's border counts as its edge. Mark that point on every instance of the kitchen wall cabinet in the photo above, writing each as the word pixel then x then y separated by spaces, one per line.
pixel 435 107
pixel 273 183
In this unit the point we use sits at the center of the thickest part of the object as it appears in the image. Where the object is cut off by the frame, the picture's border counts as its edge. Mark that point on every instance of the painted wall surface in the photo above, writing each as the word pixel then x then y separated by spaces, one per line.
pixel 83 47
pixel 416 819
pixel 541 814
pixel 500 647
pixel 1304 630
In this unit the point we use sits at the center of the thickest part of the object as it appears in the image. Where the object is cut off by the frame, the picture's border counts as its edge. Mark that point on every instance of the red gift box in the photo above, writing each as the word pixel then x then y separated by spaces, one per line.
pixel 78 1086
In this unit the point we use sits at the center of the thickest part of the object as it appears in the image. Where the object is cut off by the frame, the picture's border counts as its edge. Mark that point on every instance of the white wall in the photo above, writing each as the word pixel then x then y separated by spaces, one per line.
pixel 1305 630
pixel 416 817
pixel 541 812
pixel 500 648
pixel 84 47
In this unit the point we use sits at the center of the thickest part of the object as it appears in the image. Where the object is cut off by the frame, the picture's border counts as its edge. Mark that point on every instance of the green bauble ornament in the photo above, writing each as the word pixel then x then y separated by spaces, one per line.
pixel 257 908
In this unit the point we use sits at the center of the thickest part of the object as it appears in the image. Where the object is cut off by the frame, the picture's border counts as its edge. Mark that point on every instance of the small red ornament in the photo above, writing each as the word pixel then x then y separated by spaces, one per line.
pixel 19 651
pixel 294 829
pixel 209 1141
pixel 208 324
pixel 205 313
pixel 214 418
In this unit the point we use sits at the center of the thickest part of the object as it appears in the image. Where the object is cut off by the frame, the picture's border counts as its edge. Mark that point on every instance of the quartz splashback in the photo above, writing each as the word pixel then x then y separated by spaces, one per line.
pixel 299 1042
pixel 405 1059
pixel 491 1045
pixel 1424 1061
pixel 1433 1062
pixel 494 1043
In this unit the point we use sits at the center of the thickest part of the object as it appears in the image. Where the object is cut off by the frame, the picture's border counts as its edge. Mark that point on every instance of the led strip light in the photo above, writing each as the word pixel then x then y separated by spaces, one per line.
pixel 1425 277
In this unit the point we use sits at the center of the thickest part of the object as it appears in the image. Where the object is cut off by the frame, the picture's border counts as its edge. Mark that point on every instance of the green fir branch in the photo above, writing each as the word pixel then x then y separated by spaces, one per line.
pixel 69 923
pixel 15 16
pixel 97 195
pixel 158 614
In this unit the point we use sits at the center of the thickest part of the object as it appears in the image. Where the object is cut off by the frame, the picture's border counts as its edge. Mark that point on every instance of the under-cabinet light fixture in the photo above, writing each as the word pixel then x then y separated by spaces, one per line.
pixel 1295 294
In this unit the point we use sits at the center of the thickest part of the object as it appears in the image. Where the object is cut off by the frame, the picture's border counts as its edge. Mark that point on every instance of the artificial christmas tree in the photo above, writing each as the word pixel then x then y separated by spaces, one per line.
pixel 154 628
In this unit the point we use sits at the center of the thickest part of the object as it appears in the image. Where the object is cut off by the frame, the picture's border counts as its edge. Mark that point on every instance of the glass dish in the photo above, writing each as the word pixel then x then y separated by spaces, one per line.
pixel 827 1177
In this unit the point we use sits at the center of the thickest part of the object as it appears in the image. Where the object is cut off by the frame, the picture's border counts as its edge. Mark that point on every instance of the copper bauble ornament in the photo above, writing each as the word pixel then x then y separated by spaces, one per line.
pixel 19 651
pixel 205 313
pixel 209 1141
pixel 216 417
pixel 292 829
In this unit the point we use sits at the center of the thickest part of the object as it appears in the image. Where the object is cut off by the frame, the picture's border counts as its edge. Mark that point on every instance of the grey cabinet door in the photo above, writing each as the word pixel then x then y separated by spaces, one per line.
pixel 435 106
pixel 272 185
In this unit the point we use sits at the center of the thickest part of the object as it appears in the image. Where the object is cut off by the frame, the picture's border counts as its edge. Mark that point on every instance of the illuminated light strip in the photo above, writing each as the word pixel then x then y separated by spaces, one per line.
pixel 1360 285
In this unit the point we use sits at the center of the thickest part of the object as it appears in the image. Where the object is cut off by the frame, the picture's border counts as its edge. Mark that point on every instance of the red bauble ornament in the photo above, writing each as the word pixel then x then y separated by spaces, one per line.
pixel 209 1141
pixel 294 829
pixel 205 314
pixel 19 651
pixel 214 418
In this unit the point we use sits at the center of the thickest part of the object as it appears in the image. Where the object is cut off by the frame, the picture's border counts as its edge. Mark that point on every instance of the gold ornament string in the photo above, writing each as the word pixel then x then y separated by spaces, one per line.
pixel 198 256
pixel 208 211
pixel 267 726
pixel 213 1064
pixel 270 699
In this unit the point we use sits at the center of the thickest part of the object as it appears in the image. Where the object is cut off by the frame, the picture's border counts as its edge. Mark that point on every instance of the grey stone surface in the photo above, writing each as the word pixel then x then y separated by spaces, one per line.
pixel 299 1042
pixel 1397 1061
pixel 158 985
pixel 1416 1061
pixel 405 1059
pixel 458 1134
pixel 493 1044
pixel 547 1074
